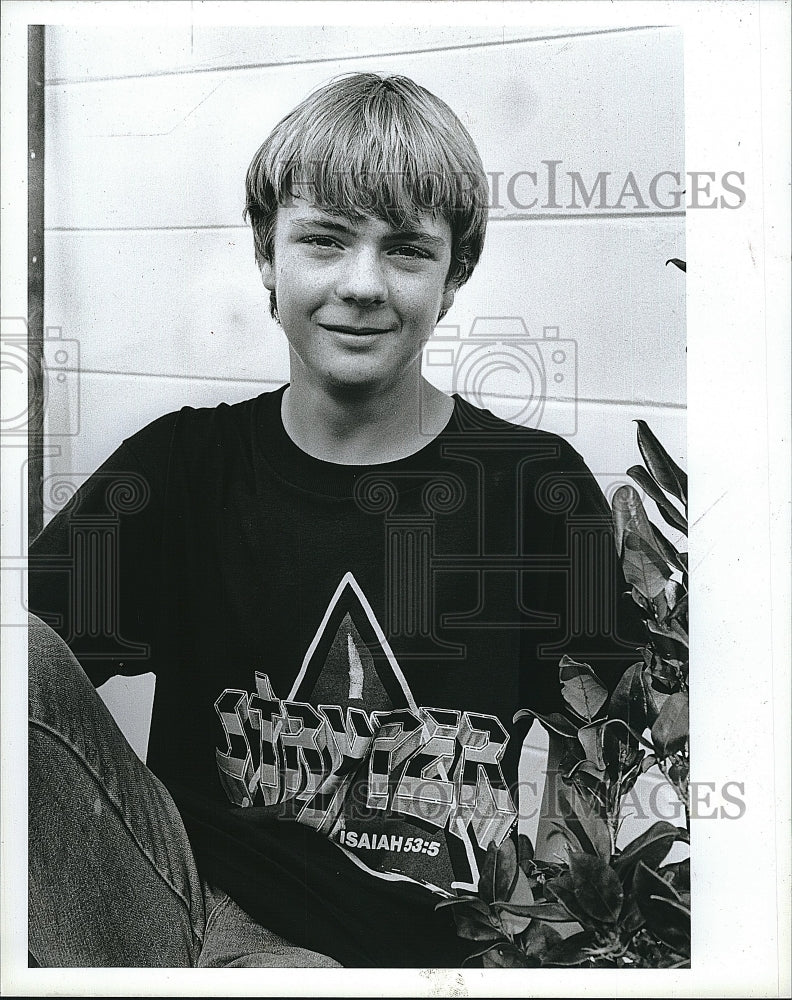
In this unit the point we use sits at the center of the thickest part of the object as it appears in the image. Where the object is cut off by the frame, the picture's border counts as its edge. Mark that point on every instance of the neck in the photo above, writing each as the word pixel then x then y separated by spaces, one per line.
pixel 364 427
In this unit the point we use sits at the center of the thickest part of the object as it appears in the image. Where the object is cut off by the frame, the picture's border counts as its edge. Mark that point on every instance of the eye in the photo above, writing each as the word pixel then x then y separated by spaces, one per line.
pixel 319 240
pixel 411 252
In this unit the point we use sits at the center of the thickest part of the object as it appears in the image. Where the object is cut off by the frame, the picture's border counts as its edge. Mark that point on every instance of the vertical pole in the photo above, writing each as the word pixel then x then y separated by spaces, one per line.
pixel 35 278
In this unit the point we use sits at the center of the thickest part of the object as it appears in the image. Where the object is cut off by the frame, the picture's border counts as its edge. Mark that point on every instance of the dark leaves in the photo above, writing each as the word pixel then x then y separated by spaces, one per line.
pixel 506 955
pixel 525 852
pixel 499 872
pixel 552 912
pixel 662 467
pixel 473 924
pixel 597 887
pixel 629 700
pixel 582 690
pixel 644 566
pixel 671 728
pixel 572 950
pixel 554 721
pixel 666 914
pixel 668 512
pixel 650 848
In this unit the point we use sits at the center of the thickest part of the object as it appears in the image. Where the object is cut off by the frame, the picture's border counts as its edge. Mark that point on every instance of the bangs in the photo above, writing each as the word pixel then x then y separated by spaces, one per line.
pixel 372 167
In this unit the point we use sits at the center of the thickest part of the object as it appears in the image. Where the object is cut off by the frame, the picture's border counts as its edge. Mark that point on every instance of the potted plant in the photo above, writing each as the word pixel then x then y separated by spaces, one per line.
pixel 602 906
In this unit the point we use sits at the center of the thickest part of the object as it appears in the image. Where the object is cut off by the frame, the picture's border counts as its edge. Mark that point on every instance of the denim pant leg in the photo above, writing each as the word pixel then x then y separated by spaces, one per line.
pixel 235 940
pixel 112 879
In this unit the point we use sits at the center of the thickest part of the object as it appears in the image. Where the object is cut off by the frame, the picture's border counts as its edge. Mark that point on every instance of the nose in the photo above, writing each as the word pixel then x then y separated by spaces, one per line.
pixel 362 278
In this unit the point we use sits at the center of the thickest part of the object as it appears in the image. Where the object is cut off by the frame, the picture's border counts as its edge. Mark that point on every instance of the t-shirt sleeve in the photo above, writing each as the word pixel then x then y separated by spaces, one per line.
pixel 594 619
pixel 94 571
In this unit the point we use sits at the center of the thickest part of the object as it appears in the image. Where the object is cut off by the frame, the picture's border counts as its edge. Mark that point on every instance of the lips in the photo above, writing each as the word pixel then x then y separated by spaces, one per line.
pixel 356 331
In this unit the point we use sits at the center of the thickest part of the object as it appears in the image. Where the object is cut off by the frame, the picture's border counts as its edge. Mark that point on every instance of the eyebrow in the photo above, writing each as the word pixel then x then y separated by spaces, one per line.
pixel 337 224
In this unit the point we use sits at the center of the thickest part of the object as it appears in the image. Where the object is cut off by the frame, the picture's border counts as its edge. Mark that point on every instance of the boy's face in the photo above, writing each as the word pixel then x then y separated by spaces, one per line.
pixel 356 299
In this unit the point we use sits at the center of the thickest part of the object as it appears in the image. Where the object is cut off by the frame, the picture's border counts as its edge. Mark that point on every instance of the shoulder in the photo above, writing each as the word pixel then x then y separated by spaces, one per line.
pixel 477 425
pixel 199 429
pixel 203 441
pixel 545 470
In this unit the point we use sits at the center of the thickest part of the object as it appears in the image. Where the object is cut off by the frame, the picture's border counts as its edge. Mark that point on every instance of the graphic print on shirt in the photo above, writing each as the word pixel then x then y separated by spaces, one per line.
pixel 409 793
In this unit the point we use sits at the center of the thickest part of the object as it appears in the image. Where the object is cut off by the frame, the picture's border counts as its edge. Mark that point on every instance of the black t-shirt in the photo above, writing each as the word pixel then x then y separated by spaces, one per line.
pixel 339 651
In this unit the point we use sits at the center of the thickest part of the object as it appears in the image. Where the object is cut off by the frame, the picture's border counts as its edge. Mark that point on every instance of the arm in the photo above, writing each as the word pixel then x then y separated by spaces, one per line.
pixel 92 571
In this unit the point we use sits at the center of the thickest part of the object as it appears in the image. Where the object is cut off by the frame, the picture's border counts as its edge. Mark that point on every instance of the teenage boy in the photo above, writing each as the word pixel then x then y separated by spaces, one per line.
pixel 346 589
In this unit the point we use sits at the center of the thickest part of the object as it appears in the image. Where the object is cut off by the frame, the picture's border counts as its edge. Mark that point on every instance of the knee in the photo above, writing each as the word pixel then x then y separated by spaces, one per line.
pixel 52 667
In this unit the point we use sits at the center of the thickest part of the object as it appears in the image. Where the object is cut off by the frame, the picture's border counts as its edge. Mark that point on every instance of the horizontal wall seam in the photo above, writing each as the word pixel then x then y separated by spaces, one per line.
pixel 538 217
pixel 588 400
pixel 62 81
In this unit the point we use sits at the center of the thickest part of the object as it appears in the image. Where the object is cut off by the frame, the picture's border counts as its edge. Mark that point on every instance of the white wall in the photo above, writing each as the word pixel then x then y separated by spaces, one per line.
pixel 150 269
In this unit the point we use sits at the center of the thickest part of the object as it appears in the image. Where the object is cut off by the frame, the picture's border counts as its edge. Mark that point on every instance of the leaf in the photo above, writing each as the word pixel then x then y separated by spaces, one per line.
pixel 628 701
pixel 505 956
pixel 581 689
pixel 665 913
pixel 582 815
pixel 650 847
pixel 680 874
pixel 554 721
pixel 498 872
pixel 552 912
pixel 661 466
pixel 629 514
pixel 457 900
pixel 590 738
pixel 478 954
pixel 525 853
pixel 561 890
pixel 672 726
pixel 520 895
pixel 648 762
pixel 515 923
pixel 474 925
pixel 649 883
pixel 631 775
pixel 539 939
pixel 651 701
pixel 669 552
pixel 674 593
pixel 620 723
pixel 587 777
pixel 672 924
pixel 670 629
pixel 668 512
pixel 572 950
pixel 681 264
pixel 681 611
pixel 643 566
pixel 597 887
pixel 643 602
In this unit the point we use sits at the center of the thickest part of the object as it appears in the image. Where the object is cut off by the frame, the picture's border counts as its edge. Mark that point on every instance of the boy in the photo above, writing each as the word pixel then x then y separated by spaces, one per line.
pixel 346 589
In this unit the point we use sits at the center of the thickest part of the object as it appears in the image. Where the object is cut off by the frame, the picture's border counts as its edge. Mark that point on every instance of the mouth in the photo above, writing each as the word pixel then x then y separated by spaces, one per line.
pixel 356 331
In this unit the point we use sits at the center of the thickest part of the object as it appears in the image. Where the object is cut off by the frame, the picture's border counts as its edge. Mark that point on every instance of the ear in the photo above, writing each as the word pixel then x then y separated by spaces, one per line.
pixel 448 299
pixel 267 274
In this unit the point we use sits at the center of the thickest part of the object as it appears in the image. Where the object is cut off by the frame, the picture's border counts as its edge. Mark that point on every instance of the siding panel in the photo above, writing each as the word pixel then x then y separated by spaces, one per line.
pixel 172 151
pixel 191 303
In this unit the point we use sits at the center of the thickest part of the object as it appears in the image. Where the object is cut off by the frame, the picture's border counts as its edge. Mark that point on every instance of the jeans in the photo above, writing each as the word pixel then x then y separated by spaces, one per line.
pixel 112 878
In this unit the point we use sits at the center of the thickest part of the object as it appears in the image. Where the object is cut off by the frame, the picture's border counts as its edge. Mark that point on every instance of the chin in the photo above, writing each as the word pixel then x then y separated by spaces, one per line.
pixel 362 378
